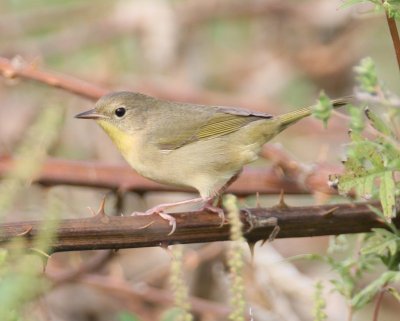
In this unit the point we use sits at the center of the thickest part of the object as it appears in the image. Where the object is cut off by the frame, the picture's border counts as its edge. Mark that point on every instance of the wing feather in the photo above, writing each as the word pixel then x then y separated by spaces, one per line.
pixel 221 121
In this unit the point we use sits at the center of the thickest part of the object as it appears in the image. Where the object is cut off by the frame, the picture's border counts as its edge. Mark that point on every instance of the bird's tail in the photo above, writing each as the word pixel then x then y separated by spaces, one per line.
pixel 294 116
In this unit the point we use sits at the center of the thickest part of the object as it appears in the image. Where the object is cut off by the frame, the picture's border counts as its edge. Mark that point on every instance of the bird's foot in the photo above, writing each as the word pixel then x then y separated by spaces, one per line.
pixel 160 210
pixel 217 210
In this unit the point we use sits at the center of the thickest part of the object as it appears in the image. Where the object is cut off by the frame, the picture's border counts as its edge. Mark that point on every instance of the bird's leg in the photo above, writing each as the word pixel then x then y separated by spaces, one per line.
pixel 209 206
pixel 160 210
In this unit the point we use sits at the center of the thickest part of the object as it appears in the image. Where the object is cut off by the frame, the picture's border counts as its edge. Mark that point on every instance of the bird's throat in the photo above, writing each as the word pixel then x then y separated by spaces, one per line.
pixel 122 140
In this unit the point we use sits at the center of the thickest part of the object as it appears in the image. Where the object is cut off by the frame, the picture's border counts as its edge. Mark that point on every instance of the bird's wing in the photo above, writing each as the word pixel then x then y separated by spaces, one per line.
pixel 222 121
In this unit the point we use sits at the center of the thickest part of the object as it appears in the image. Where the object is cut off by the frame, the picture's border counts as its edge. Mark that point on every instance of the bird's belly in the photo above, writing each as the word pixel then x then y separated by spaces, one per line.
pixel 204 165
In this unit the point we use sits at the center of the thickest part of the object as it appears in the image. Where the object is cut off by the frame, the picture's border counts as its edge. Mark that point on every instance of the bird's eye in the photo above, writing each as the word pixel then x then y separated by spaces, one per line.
pixel 120 112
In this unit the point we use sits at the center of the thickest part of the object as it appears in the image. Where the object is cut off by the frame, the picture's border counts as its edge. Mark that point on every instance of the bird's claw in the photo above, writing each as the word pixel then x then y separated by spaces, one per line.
pixel 171 220
pixel 216 210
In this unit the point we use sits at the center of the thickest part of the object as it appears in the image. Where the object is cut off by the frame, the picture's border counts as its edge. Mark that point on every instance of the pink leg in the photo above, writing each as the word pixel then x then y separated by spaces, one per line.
pixel 160 210
pixel 208 206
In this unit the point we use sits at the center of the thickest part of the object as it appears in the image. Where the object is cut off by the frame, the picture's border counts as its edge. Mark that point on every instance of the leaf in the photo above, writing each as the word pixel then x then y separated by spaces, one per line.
pixel 381 242
pixel 378 123
pixel 387 195
pixel 368 293
pixel 323 108
pixel 356 119
pixel 366 75
pixel 395 293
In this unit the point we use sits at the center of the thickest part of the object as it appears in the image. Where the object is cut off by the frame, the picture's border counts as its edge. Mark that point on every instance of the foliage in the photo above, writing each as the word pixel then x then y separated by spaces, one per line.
pixel 371 164
pixel 372 161
pixel 21 274
pixel 392 7
pixel 323 108
pixel 319 303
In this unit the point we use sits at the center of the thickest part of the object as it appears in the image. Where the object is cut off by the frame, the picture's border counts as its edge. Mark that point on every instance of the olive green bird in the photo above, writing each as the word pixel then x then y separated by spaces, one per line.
pixel 203 147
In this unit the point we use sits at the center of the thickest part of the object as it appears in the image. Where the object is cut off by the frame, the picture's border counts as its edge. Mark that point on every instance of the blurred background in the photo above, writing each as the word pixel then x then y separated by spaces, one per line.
pixel 267 55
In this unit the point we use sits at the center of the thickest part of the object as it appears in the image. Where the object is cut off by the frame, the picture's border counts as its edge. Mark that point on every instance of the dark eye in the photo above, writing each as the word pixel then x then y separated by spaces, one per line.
pixel 120 112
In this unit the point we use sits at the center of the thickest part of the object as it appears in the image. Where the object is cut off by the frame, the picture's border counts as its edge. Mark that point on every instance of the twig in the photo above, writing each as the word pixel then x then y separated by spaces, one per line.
pixel 115 232
pixel 378 303
pixel 28 71
pixel 394 34
pixel 153 295
pixel 92 264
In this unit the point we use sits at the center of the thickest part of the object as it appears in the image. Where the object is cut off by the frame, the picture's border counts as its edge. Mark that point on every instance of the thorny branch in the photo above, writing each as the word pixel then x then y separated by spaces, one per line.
pixel 123 178
pixel 115 232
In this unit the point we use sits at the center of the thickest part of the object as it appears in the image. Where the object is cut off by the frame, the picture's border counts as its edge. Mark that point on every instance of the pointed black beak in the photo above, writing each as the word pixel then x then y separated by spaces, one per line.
pixel 90 114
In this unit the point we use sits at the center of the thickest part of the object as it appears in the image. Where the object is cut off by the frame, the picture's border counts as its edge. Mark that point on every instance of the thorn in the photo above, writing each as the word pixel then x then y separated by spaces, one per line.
pixel 281 204
pixel 145 226
pixel 43 255
pixel 251 248
pixel 26 232
pixel 329 212
pixel 101 211
pixel 165 246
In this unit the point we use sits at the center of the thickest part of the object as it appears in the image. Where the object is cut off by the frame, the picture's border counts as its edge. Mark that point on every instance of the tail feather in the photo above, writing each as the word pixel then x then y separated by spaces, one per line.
pixel 294 116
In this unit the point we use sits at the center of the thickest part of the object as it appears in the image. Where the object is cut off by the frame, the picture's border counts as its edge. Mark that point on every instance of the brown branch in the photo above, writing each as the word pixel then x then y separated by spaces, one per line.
pixel 8 69
pixel 123 178
pixel 92 264
pixel 152 295
pixel 395 35
pixel 378 303
pixel 115 232
pixel 26 71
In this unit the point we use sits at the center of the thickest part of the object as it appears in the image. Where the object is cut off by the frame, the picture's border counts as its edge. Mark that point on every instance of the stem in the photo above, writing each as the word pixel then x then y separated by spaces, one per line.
pixel 395 35
pixel 378 303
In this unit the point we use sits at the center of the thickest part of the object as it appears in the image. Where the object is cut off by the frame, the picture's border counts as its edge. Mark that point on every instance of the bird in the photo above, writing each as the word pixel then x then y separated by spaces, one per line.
pixel 198 146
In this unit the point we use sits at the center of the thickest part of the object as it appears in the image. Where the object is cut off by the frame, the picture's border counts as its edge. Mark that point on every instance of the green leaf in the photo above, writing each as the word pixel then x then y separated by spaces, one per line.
pixel 387 195
pixel 381 242
pixel 394 293
pixel 356 119
pixel 378 123
pixel 368 293
pixel 319 312
pixel 366 75
pixel 323 108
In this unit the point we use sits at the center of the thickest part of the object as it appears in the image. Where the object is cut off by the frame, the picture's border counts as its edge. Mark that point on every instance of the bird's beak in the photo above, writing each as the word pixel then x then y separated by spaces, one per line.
pixel 90 114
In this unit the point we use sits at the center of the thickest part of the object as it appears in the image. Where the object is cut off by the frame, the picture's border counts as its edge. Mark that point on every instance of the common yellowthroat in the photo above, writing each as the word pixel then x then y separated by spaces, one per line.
pixel 204 147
